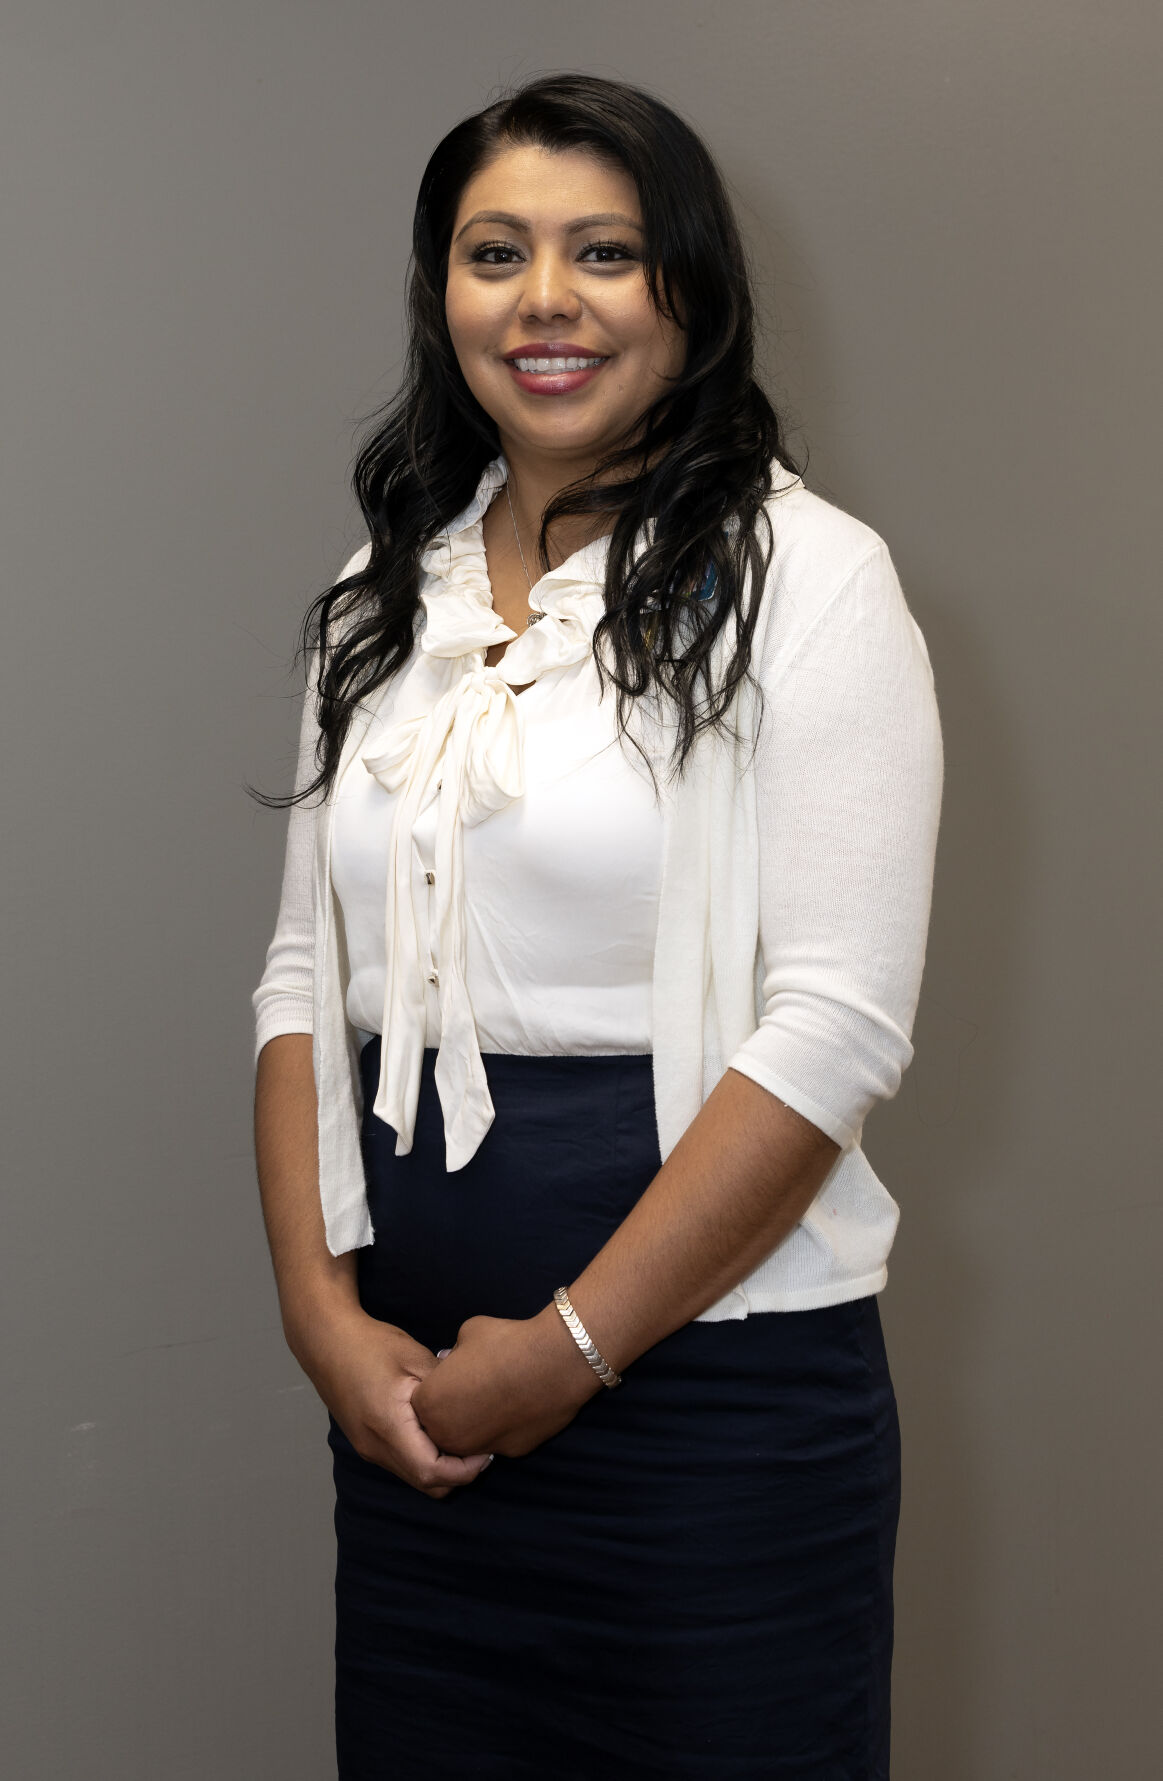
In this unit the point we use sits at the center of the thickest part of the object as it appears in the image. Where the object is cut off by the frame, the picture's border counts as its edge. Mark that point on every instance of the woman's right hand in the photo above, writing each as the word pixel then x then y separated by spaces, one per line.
pixel 366 1372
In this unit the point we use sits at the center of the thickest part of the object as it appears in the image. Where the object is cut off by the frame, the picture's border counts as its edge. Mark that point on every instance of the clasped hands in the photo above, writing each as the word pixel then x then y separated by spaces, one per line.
pixel 506 1386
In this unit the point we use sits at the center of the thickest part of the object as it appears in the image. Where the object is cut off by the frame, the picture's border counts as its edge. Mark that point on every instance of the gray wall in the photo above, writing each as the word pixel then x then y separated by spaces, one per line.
pixel 205 227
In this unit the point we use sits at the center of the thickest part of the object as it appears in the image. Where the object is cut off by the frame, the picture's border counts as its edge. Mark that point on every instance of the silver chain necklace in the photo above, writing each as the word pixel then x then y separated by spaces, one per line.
pixel 533 616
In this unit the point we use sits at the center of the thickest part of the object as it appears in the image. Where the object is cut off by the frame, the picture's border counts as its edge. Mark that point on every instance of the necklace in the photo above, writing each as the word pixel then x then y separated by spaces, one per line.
pixel 533 616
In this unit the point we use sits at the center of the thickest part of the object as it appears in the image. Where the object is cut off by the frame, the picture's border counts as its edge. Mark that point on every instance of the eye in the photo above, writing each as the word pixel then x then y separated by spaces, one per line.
pixel 491 247
pixel 611 247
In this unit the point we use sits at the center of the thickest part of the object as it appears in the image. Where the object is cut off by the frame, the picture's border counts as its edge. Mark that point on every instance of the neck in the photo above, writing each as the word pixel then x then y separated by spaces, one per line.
pixel 534 480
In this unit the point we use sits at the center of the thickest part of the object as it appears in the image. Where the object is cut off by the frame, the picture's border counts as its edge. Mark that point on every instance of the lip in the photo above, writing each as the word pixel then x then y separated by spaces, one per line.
pixel 553 349
pixel 554 383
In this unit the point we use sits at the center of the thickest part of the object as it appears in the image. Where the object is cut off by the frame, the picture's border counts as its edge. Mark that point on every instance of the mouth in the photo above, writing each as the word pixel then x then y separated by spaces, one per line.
pixel 556 374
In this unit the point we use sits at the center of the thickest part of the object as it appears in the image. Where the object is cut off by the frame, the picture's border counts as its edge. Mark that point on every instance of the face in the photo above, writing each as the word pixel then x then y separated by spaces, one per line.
pixel 546 262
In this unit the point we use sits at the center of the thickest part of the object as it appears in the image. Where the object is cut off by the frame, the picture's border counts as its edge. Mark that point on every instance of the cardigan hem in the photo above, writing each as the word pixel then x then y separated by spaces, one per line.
pixel 840 1133
pixel 278 1022
pixel 742 1301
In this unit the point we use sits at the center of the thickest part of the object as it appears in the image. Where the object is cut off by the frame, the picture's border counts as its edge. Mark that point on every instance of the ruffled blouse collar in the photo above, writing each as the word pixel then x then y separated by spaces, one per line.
pixel 457 597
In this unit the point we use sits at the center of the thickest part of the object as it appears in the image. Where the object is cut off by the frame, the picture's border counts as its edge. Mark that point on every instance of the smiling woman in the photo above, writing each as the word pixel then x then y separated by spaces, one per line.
pixel 576 1005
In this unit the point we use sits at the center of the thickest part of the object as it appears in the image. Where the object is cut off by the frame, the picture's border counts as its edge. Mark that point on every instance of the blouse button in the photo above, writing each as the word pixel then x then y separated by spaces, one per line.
pixel 430 878
pixel 433 978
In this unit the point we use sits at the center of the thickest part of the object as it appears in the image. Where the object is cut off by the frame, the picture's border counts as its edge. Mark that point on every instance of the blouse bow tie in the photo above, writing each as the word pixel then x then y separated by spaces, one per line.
pixel 466 751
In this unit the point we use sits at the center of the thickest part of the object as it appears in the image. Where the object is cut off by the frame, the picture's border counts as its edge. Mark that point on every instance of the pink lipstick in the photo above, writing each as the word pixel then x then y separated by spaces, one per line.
pixel 553 367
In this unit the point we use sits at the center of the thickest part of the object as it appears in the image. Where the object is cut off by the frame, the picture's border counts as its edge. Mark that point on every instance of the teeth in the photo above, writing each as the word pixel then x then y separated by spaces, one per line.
pixel 556 365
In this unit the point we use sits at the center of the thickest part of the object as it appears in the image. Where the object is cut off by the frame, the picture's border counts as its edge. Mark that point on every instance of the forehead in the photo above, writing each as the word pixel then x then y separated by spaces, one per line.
pixel 548 188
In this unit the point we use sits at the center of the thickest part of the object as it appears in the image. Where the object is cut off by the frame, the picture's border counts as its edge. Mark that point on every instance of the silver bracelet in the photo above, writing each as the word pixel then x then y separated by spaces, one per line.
pixel 581 1336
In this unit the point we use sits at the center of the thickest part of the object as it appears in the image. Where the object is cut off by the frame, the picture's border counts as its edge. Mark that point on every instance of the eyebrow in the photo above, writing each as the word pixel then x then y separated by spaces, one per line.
pixel 524 226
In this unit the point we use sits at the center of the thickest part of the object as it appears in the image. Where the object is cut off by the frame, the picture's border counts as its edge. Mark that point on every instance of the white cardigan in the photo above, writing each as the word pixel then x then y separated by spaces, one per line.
pixel 793 908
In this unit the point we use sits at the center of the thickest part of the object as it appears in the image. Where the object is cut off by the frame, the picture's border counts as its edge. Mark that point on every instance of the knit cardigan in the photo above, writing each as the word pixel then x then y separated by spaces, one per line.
pixel 793 908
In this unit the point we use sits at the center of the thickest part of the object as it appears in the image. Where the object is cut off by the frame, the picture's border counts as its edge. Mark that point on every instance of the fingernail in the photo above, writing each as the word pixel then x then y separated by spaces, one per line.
pixel 441 1352
pixel 488 1462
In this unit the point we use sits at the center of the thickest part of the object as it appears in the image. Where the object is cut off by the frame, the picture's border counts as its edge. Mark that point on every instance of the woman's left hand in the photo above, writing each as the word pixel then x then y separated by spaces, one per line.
pixel 506 1386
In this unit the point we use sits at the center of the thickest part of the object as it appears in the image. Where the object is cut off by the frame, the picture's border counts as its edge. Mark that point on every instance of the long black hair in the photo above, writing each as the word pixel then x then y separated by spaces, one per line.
pixel 699 468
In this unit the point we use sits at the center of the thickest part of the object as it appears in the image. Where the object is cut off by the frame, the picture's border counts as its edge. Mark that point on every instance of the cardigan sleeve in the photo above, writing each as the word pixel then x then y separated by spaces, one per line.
pixel 848 770
pixel 283 1000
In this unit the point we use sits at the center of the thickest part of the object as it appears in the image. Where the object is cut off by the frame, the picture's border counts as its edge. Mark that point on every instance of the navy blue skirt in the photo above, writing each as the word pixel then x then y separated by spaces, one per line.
pixel 694 1578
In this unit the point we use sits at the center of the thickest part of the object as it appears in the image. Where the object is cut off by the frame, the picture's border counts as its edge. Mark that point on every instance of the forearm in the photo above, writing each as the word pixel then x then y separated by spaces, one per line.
pixel 312 1283
pixel 738 1181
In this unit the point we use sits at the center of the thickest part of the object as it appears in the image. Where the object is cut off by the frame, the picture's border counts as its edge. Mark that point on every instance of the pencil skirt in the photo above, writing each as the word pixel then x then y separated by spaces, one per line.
pixel 694 1578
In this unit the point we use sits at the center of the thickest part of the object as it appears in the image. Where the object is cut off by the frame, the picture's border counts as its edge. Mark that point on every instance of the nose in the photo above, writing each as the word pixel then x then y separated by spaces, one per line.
pixel 548 290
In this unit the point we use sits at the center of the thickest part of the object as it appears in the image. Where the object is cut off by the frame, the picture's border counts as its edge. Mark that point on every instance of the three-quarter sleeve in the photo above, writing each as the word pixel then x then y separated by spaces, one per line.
pixel 283 1000
pixel 848 783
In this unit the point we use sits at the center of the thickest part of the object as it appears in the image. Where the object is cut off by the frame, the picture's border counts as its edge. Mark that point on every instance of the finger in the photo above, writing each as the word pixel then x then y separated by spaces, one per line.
pixel 450 1469
pixel 428 1467
pixel 415 1458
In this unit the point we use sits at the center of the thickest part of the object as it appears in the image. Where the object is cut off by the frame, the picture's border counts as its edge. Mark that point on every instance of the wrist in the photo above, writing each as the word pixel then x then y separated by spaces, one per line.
pixel 574 1379
pixel 577 1377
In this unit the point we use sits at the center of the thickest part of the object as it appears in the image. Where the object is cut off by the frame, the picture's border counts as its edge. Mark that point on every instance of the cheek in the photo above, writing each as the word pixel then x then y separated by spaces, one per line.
pixel 648 337
pixel 469 315
pixel 455 317
pixel 670 347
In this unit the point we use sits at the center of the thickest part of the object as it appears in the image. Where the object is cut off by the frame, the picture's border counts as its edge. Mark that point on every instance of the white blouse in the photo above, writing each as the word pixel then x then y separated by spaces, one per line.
pixel 496 856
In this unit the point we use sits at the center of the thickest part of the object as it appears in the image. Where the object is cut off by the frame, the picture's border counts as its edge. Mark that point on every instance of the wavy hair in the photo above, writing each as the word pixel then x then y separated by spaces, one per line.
pixel 696 475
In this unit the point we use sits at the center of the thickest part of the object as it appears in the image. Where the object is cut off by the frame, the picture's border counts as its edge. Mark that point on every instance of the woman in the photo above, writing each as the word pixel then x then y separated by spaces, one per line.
pixel 605 903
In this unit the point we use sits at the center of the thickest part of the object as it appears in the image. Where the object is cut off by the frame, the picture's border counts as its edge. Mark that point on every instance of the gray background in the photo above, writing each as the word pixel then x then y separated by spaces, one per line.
pixel 206 217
